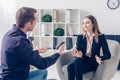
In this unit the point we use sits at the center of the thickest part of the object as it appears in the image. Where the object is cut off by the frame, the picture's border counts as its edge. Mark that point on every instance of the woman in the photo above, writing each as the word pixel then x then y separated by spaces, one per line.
pixel 87 50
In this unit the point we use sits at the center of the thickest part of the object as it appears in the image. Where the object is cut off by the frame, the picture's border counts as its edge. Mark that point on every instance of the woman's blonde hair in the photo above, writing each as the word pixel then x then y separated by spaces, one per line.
pixel 95 27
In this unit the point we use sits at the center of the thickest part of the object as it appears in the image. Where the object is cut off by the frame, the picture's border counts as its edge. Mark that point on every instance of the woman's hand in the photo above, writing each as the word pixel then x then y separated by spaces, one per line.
pixel 98 60
pixel 77 53
pixel 42 50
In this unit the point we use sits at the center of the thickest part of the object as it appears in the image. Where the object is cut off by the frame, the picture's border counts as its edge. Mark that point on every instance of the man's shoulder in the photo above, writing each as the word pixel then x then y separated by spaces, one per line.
pixel 13 38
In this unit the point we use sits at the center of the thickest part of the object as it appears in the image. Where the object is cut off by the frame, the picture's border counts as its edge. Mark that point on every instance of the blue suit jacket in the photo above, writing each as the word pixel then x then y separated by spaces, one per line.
pixel 102 43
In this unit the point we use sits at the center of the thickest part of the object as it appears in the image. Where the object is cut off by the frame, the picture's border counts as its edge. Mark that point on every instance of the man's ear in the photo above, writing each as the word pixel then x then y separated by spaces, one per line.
pixel 28 24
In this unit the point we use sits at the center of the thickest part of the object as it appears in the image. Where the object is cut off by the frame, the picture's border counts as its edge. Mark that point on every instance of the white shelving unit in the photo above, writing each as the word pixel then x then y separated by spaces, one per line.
pixel 67 19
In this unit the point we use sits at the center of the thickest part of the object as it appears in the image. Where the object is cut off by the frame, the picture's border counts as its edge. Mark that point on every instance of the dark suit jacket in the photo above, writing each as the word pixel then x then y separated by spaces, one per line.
pixel 102 43
pixel 17 55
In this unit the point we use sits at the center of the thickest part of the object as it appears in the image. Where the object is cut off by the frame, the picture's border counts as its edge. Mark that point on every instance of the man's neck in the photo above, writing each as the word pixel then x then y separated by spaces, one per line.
pixel 24 30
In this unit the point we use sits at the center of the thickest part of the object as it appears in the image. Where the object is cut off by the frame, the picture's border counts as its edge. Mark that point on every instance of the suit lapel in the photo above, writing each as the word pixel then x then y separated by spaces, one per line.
pixel 84 44
pixel 94 46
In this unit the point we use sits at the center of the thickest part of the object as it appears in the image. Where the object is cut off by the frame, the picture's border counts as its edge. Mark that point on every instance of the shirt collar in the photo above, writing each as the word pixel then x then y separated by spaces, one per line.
pixel 18 30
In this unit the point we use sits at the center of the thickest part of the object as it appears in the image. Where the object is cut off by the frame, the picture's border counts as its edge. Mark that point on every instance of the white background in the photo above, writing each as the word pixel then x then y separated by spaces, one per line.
pixel 108 20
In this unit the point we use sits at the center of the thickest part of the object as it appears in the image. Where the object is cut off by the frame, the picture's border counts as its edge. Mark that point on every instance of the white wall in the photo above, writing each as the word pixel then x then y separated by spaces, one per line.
pixel 7 13
pixel 109 20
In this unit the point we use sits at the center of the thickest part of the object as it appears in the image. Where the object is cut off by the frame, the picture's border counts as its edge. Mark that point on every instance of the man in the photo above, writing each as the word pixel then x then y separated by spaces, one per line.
pixel 17 53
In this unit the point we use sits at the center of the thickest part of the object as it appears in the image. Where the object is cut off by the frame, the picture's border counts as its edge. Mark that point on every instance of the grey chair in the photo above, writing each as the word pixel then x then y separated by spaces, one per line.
pixel 105 71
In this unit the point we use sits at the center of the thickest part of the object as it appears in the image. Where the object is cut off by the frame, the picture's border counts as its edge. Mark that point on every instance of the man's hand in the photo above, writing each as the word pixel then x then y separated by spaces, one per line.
pixel 77 53
pixel 98 60
pixel 42 50
pixel 61 48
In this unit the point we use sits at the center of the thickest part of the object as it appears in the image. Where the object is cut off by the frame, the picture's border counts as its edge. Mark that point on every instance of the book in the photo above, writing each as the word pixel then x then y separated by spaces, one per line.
pixel 55 15
pixel 54 42
pixel 69 43
pixel 68 15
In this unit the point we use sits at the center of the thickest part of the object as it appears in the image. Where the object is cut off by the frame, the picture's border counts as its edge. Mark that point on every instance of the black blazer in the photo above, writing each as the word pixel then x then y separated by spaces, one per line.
pixel 102 43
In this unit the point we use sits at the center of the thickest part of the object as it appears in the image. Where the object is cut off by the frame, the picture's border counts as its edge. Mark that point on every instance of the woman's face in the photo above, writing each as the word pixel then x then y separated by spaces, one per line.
pixel 87 25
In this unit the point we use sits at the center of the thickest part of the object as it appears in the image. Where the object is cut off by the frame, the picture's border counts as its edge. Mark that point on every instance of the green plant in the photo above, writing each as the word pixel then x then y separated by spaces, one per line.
pixel 59 32
pixel 47 18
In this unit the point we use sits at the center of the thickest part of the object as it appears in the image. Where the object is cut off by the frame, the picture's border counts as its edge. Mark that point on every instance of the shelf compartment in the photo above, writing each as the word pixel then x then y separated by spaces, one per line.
pixel 46 29
pixel 58 29
pixel 46 42
pixel 73 29
pixel 72 16
pixel 35 31
pixel 57 41
pixel 36 43
pixel 59 15
pixel 70 42
pixel 46 12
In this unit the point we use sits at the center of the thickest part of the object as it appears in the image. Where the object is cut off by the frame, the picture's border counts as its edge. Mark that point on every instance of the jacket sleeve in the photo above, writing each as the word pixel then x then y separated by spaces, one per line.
pixel 30 56
pixel 79 42
pixel 105 48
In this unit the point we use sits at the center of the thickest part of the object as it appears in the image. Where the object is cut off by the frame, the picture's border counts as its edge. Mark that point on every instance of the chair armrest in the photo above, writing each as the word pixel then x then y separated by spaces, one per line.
pixel 108 68
pixel 64 59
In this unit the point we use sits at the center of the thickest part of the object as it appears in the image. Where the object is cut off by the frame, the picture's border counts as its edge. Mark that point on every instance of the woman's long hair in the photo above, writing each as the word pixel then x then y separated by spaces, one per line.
pixel 95 27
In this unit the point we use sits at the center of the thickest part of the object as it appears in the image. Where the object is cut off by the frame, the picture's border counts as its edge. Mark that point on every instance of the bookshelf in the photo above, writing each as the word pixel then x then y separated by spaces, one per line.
pixel 59 25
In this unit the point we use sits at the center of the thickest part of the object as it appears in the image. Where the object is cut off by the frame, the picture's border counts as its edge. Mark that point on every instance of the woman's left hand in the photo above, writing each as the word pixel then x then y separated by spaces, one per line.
pixel 98 60
pixel 77 53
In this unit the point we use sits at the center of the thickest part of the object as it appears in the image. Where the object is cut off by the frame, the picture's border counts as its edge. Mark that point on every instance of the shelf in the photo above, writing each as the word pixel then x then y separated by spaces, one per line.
pixel 73 29
pixel 45 29
pixel 59 25
pixel 44 12
pixel 36 43
pixel 58 15
pixel 36 30
pixel 45 42
pixel 57 41
pixel 72 15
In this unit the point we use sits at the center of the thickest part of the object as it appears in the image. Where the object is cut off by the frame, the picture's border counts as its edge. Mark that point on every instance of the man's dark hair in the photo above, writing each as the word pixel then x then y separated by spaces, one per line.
pixel 24 15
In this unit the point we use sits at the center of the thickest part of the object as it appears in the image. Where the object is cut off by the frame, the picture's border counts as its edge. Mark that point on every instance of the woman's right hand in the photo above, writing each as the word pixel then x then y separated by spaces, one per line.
pixel 98 60
pixel 77 53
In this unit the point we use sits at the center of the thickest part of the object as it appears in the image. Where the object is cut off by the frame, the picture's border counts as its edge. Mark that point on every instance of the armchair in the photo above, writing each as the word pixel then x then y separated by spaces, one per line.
pixel 105 71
